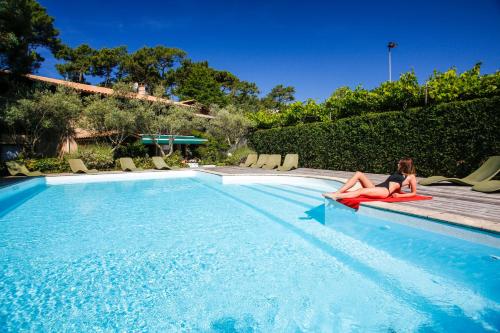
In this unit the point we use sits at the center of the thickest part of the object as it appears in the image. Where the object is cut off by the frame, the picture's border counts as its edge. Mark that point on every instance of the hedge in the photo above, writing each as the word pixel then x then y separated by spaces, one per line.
pixel 450 139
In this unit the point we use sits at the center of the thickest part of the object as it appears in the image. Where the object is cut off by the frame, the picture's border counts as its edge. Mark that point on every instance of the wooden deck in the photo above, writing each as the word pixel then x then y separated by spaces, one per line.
pixel 477 209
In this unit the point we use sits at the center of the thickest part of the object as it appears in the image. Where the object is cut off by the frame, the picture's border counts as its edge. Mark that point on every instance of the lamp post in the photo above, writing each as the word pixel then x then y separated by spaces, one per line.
pixel 390 46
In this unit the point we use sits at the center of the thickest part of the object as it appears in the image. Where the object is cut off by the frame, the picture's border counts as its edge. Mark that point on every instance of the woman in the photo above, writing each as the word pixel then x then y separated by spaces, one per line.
pixel 393 185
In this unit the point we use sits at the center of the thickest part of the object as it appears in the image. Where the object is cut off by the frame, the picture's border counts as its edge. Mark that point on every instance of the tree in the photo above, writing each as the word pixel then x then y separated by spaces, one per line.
pixel 265 119
pixel 450 86
pixel 242 94
pixel 106 61
pixel 400 94
pixel 150 65
pixel 177 122
pixel 78 62
pixel 230 124
pixel 345 102
pixel 196 80
pixel 45 113
pixel 25 26
pixel 278 97
pixel 228 82
pixel 303 112
pixel 152 118
pixel 111 116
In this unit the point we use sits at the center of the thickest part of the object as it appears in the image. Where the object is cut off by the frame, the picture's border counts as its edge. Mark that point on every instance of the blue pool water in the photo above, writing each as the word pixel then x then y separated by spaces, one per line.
pixel 193 255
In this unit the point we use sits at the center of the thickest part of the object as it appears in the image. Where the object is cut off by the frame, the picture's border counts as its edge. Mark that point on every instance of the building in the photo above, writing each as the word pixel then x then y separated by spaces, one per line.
pixel 81 135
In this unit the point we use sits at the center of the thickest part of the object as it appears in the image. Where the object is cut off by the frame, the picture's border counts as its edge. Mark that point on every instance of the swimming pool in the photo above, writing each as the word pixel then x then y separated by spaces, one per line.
pixel 188 251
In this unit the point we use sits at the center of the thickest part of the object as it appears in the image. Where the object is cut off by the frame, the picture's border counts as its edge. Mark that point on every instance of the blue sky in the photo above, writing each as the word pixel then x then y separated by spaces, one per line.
pixel 315 46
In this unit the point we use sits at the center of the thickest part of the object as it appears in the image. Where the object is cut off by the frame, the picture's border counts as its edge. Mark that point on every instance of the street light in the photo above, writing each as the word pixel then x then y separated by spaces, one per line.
pixel 390 46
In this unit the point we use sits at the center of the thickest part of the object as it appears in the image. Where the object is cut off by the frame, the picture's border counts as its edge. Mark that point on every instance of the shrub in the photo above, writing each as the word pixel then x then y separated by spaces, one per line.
pixel 175 160
pixel 143 162
pixel 212 152
pixel 450 139
pixel 47 165
pixel 135 149
pixel 98 156
pixel 238 156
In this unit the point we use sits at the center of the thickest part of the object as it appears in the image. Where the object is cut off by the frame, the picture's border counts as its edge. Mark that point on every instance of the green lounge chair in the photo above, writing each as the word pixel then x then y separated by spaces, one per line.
pixel 487 186
pixel 487 171
pixel 291 162
pixel 273 161
pixel 77 166
pixel 251 159
pixel 16 169
pixel 160 164
pixel 261 161
pixel 128 165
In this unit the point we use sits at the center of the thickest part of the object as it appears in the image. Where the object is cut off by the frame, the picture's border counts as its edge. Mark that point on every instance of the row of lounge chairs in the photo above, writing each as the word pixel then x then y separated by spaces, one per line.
pixel 270 162
pixel 77 166
pixel 481 180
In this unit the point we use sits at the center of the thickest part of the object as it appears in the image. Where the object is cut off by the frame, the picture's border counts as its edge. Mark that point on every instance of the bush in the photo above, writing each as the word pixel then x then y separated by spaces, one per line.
pixel 175 160
pixel 47 165
pixel 143 162
pixel 212 152
pixel 98 157
pixel 449 139
pixel 238 156
pixel 135 149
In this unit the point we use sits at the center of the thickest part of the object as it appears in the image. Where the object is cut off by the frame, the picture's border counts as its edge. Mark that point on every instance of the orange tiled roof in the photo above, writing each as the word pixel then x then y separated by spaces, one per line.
pixel 81 133
pixel 108 91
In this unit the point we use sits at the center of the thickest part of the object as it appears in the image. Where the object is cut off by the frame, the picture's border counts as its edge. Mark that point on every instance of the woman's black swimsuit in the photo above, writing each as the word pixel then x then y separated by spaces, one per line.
pixel 395 178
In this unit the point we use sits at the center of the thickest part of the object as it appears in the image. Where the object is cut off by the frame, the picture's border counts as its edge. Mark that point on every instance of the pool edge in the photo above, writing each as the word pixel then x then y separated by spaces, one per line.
pixel 440 217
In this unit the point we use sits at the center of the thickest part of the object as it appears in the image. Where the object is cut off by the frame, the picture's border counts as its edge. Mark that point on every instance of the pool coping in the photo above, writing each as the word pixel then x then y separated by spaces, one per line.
pixel 442 217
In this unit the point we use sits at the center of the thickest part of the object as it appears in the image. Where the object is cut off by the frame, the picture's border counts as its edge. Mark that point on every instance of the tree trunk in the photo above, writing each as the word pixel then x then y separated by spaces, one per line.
pixel 157 145
pixel 32 148
pixel 170 146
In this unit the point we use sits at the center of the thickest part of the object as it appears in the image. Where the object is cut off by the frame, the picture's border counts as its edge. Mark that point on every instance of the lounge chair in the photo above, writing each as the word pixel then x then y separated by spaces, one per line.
pixel 487 186
pixel 487 171
pixel 16 169
pixel 291 162
pixel 251 159
pixel 77 166
pixel 261 161
pixel 273 161
pixel 160 164
pixel 127 164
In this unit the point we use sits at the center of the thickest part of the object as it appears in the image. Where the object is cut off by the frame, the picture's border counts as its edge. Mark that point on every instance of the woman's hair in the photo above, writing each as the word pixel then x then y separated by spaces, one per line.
pixel 406 166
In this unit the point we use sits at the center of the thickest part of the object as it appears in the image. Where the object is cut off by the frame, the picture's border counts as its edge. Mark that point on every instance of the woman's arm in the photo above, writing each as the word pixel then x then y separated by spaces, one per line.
pixel 412 181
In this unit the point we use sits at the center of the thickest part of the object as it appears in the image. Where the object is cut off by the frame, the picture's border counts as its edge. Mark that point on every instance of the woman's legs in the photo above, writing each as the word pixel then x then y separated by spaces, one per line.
pixel 365 182
pixel 372 192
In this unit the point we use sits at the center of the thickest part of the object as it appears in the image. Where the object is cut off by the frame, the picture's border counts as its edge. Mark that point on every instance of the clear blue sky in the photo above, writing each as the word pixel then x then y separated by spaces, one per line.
pixel 315 46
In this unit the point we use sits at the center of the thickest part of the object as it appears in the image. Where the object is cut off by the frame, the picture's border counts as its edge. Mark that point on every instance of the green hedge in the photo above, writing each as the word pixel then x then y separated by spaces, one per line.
pixel 448 139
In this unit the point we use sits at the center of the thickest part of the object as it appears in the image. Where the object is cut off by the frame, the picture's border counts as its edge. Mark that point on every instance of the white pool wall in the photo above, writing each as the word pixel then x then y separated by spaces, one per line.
pixel 17 188
pixel 118 177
